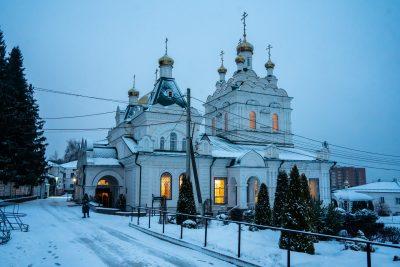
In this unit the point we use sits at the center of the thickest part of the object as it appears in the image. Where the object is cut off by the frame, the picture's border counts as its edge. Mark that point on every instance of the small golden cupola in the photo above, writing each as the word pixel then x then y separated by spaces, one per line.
pixel 166 63
pixel 222 70
pixel 269 65
pixel 133 93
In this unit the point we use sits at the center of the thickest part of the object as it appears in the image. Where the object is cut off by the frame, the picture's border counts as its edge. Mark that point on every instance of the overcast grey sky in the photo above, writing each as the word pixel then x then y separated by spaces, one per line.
pixel 340 60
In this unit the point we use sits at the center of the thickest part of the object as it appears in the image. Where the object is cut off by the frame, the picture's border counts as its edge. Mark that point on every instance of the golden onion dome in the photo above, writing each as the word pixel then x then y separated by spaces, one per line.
pixel 240 59
pixel 133 92
pixel 244 47
pixel 165 61
pixel 222 69
pixel 269 64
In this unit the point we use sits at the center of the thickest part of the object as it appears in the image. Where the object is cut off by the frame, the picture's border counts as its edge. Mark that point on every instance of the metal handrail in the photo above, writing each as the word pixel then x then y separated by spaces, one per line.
pixel 285 230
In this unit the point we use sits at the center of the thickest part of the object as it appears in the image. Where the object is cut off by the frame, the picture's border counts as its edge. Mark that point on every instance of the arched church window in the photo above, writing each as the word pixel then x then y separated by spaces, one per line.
pixel 173 141
pixel 226 122
pixel 213 126
pixel 252 117
pixel 183 144
pixel 275 122
pixel 162 143
pixel 166 185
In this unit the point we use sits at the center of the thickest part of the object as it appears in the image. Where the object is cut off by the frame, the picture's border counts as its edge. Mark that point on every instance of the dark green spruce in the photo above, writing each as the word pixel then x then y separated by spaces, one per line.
pixel 186 204
pixel 296 217
pixel 280 201
pixel 263 210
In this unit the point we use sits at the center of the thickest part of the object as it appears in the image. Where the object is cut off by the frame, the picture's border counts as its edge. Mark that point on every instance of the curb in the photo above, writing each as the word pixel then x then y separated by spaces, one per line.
pixel 214 254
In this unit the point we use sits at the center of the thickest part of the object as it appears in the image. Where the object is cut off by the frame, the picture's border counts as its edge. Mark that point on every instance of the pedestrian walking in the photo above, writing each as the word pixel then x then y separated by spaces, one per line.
pixel 85 206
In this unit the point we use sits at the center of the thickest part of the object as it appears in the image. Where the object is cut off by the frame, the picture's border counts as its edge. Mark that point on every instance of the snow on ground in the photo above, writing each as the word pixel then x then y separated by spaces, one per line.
pixel 261 247
pixel 58 236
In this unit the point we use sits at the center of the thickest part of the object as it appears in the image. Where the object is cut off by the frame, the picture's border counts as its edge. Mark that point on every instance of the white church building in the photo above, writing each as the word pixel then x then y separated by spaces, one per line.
pixel 242 140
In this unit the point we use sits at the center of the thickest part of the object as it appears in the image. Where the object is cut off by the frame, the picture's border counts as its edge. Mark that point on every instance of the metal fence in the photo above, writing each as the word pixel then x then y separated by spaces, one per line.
pixel 149 212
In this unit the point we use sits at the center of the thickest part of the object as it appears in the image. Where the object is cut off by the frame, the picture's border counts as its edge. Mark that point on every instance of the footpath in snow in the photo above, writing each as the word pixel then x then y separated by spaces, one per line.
pixel 58 236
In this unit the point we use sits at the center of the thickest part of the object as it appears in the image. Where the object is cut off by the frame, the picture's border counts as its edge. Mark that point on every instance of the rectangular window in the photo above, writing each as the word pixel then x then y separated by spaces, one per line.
pixel 382 200
pixel 397 201
pixel 219 191
pixel 313 184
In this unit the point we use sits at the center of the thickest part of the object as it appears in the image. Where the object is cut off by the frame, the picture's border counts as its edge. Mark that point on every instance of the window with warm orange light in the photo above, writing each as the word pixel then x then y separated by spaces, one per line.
pixel 219 191
pixel 166 185
pixel 275 122
pixel 103 182
pixel 313 185
pixel 252 117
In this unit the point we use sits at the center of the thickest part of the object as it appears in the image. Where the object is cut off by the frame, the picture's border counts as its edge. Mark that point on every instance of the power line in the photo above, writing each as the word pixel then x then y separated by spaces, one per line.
pixel 78 116
pixel 79 95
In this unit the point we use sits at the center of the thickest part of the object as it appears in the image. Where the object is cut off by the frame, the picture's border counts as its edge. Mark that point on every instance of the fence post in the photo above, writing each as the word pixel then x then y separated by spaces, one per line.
pixel 239 238
pixel 149 217
pixel 181 230
pixel 368 254
pixel 163 222
pixel 288 251
pixel 205 233
pixel 138 216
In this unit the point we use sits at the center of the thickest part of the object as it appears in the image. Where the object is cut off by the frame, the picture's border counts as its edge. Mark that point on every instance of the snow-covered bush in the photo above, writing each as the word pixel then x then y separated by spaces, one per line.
pixel 189 224
pixel 364 220
pixel 171 219
pixel 389 234
pixel 248 216
pixel 396 258
pixel 223 217
pixel 358 246
pixel 236 214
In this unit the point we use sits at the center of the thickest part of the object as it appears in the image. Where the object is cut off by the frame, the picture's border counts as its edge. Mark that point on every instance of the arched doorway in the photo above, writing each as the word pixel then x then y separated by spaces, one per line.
pixel 107 191
pixel 253 186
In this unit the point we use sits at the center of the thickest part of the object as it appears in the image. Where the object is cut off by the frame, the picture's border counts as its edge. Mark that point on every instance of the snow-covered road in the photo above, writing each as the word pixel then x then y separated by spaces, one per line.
pixel 58 236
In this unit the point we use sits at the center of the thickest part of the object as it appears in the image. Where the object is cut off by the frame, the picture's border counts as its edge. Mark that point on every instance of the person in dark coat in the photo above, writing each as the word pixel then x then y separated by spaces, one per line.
pixel 85 206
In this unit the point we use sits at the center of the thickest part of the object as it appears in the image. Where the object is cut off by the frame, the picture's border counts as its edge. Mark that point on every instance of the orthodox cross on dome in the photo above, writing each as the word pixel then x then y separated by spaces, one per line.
pixel 222 57
pixel 134 80
pixel 166 46
pixel 269 51
pixel 244 24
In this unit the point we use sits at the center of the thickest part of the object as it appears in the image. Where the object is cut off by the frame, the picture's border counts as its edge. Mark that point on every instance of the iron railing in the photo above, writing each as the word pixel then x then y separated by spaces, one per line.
pixel 149 212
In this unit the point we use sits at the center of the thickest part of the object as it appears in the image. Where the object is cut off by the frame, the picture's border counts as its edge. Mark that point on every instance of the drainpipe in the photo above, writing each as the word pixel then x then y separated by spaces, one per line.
pixel 212 163
pixel 330 182
pixel 280 165
pixel 140 178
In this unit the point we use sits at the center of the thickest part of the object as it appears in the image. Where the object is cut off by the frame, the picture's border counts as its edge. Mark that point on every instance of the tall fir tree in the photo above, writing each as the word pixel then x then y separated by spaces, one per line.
pixel 296 217
pixel 186 204
pixel 6 170
pixel 280 201
pixel 306 196
pixel 263 210
pixel 26 128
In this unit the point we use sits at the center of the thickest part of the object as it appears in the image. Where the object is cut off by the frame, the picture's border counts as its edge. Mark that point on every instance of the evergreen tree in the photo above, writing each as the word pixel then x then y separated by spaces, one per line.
pixel 26 128
pixel 296 217
pixel 186 202
pixel 280 201
pixel 306 196
pixel 263 210
pixel 317 216
pixel 7 111
pixel 333 220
